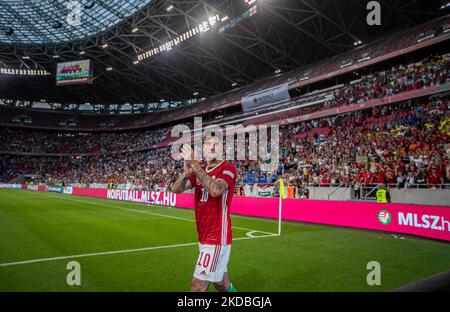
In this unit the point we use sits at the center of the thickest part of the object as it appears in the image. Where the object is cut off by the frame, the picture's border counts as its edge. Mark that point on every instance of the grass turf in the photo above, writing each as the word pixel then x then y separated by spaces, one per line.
pixel 307 257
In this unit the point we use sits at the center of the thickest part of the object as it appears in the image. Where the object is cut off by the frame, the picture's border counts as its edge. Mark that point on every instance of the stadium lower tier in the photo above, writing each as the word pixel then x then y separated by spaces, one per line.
pixel 405 144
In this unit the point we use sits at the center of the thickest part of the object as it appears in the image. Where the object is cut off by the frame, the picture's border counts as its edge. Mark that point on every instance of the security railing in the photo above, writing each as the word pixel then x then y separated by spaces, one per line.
pixel 335 190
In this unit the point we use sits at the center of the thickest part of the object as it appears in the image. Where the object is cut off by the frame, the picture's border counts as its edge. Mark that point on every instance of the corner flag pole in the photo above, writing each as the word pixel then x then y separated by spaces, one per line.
pixel 280 204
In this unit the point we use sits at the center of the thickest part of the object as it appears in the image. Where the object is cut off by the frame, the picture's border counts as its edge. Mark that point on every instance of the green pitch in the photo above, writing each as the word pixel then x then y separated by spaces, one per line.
pixel 122 246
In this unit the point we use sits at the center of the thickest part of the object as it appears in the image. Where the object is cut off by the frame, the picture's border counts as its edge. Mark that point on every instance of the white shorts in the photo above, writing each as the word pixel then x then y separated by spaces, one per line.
pixel 212 262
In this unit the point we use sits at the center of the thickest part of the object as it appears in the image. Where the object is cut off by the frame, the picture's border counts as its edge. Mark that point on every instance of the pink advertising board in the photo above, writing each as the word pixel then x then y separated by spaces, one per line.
pixel 427 221
pixel 34 187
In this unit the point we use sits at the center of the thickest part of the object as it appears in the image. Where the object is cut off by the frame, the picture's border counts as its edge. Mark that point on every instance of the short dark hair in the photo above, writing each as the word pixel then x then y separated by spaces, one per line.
pixel 210 135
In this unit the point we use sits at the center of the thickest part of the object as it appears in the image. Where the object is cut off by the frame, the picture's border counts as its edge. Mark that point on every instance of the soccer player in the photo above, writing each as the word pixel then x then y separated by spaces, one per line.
pixel 214 187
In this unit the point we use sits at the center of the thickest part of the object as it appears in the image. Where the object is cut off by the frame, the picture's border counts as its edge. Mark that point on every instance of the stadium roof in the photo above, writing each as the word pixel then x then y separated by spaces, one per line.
pixel 282 35
pixel 43 21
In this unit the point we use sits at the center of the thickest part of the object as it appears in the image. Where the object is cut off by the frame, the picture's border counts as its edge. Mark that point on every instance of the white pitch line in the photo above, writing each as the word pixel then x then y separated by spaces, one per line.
pixel 141 211
pixel 116 252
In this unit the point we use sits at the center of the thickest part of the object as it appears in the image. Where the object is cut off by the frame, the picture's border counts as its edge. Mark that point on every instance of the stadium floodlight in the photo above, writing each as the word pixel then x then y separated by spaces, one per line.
pixel 9 31
pixel 109 68
pixel 277 71
pixel 55 56
pixel 82 52
pixel 250 2
pixel 135 29
pixel 346 64
pixel 234 84
pixel 43 101
pixel 26 57
pixel 195 94
pixel 104 46
pixel 204 27
pixel 212 20
pixel 135 62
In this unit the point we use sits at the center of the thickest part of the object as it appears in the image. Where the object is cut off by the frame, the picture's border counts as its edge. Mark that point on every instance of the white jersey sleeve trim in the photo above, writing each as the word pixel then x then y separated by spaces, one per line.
pixel 229 173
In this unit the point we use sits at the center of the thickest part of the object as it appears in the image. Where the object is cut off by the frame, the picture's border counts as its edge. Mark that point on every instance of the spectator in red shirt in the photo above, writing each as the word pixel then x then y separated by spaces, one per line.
pixel 325 181
pixel 379 177
pixel 433 179
pixel 368 177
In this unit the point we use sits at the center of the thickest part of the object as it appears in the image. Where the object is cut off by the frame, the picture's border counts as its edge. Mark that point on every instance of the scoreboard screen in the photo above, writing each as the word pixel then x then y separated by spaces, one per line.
pixel 76 72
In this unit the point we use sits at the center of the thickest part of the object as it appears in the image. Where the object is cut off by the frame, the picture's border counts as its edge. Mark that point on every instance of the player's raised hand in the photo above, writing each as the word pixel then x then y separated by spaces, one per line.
pixel 187 154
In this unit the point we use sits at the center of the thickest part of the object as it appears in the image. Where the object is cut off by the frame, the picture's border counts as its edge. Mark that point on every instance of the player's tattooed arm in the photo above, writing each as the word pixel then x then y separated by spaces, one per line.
pixel 181 185
pixel 213 186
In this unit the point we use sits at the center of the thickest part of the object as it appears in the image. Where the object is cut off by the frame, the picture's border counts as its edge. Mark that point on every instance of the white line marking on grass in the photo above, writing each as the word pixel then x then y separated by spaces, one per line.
pixel 105 253
pixel 139 211
pixel 252 234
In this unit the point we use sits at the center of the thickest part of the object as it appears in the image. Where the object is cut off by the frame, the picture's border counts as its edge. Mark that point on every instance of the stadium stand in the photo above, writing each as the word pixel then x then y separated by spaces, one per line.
pixel 383 144
pixel 402 78
pixel 380 50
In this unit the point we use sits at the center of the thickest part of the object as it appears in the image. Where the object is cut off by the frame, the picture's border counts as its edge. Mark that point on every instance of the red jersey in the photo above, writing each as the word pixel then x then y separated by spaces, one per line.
pixel 434 179
pixel 212 215
pixel 368 177
pixel 379 177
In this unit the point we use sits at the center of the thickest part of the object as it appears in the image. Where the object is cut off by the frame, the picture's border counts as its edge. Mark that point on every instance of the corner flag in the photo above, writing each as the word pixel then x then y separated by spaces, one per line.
pixel 282 189
pixel 282 196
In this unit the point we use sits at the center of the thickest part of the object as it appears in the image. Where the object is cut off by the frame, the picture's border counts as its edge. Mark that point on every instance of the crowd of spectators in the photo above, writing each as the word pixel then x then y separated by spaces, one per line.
pixel 404 145
pixel 431 71
pixel 50 142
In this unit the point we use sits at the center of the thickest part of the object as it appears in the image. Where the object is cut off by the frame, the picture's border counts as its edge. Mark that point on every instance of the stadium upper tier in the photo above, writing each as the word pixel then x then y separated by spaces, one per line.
pixel 361 57
pixel 402 78
pixel 412 80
